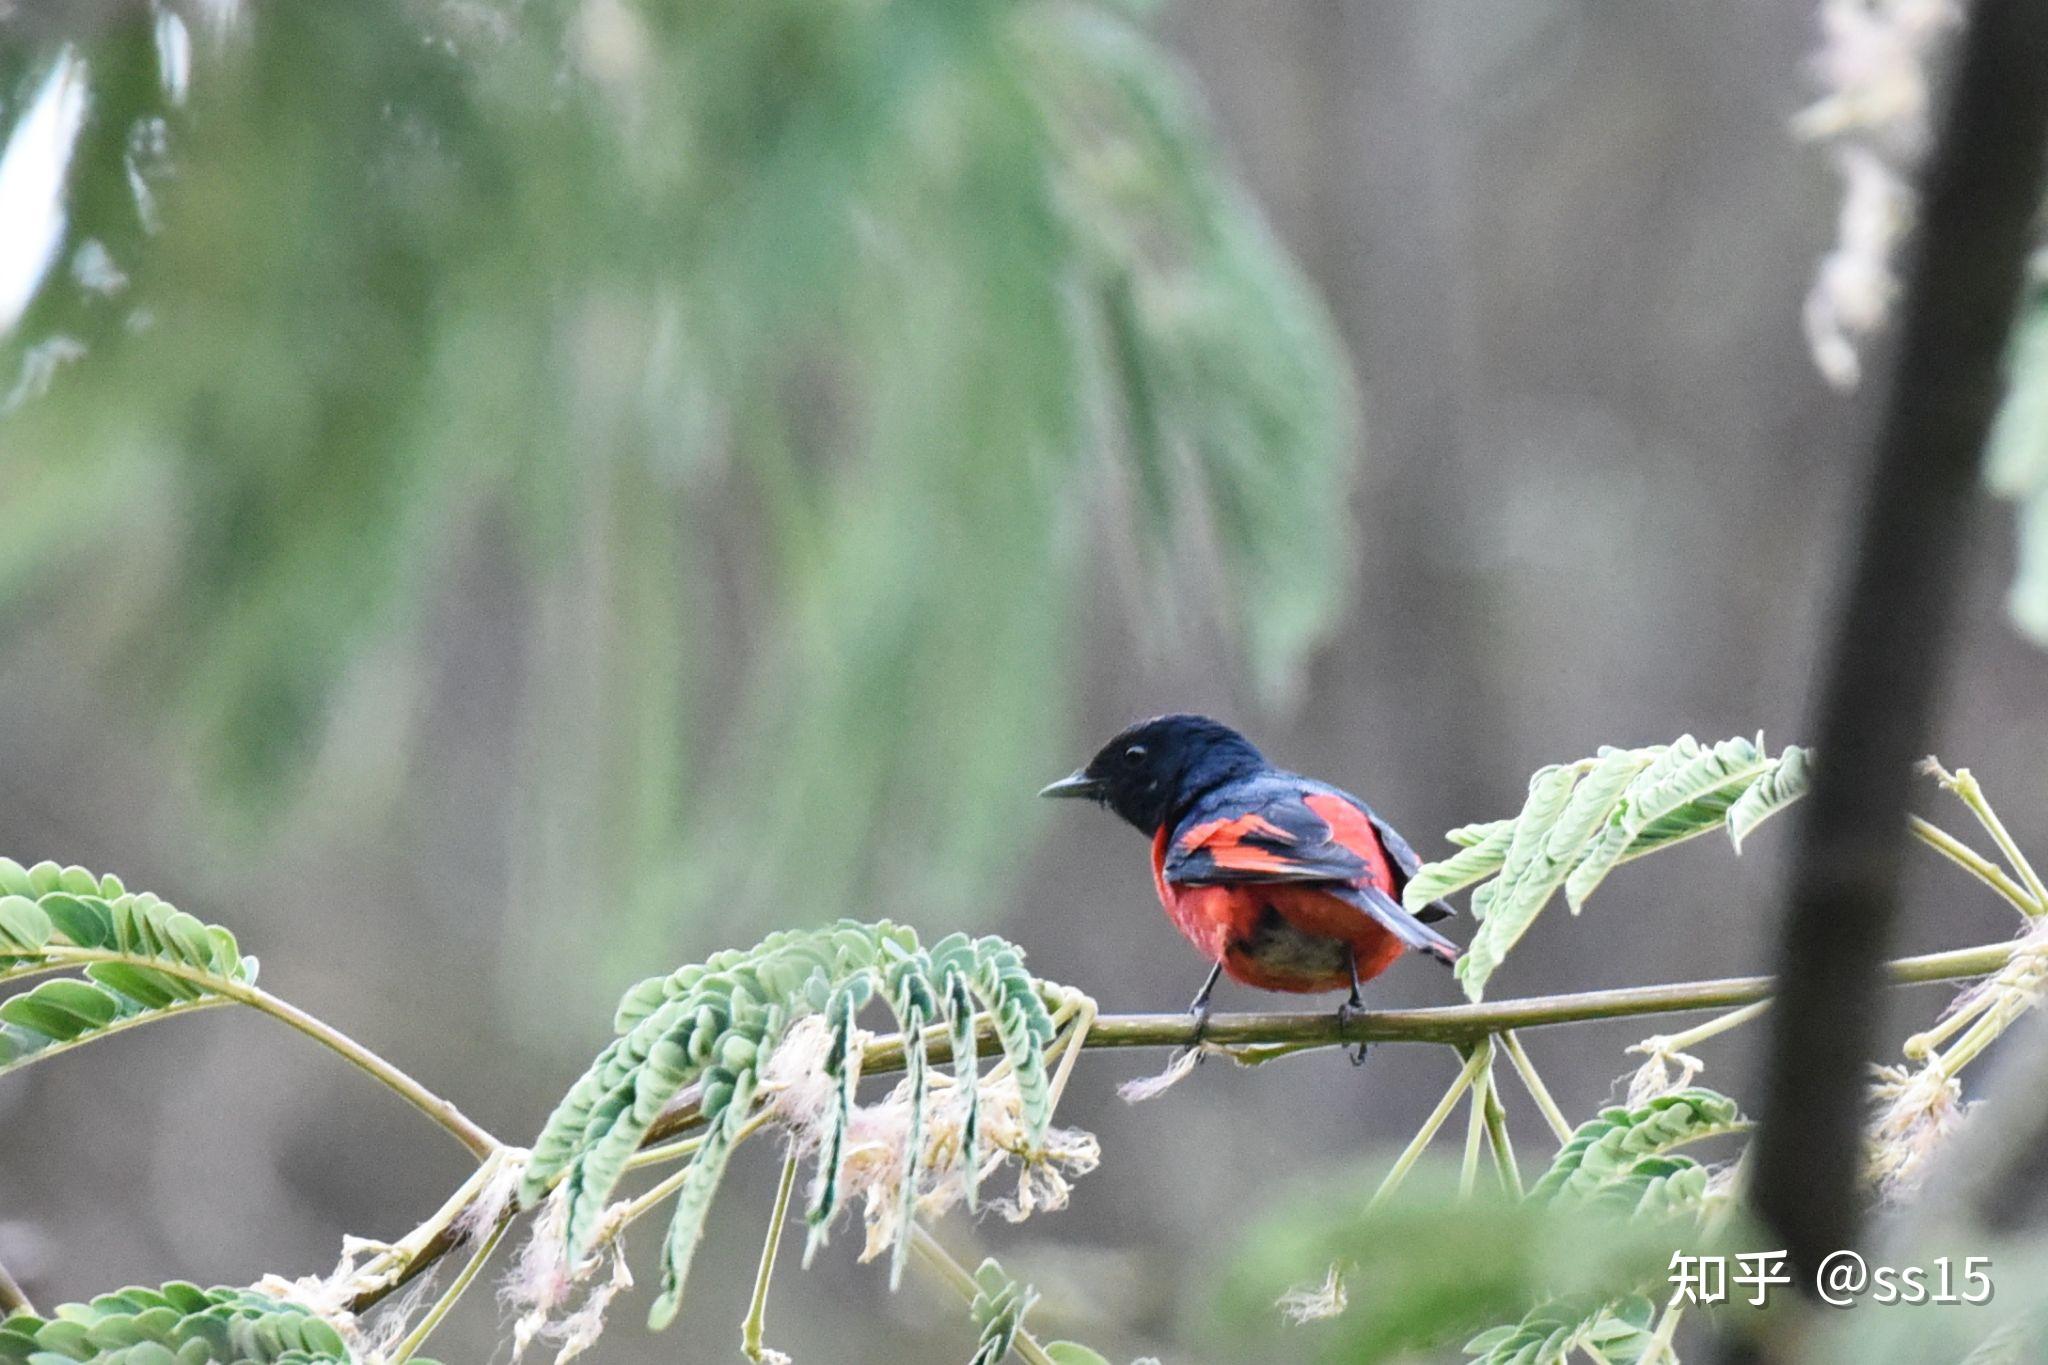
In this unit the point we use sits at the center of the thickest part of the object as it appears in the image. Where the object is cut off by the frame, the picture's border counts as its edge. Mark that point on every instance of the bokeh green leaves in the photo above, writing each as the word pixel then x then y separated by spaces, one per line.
pixel 787 351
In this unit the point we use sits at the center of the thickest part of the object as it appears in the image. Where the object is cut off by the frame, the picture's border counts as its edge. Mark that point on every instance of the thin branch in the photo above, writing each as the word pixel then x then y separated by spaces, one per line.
pixel 1971 793
pixel 459 1125
pixel 1426 1134
pixel 1452 1024
pixel 1497 1138
pixel 752 1330
pixel 417 1337
pixel 1533 1081
pixel 1974 863
pixel 1981 193
pixel 1475 1125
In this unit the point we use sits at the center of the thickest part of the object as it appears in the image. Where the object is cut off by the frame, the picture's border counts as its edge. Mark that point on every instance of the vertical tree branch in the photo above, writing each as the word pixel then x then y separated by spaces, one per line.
pixel 1980 194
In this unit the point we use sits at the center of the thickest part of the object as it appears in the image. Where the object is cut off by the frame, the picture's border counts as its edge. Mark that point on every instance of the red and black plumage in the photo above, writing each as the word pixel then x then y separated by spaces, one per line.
pixel 1281 881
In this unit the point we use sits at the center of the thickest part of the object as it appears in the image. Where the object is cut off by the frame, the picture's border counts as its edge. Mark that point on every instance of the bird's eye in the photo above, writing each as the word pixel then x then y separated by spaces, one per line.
pixel 1135 755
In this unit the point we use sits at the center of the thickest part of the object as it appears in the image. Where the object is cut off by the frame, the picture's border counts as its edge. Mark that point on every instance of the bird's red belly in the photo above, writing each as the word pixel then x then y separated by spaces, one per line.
pixel 1279 937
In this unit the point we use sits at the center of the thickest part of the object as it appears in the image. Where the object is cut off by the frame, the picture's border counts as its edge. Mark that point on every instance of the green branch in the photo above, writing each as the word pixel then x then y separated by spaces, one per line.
pixel 459 1125
pixel 1451 1024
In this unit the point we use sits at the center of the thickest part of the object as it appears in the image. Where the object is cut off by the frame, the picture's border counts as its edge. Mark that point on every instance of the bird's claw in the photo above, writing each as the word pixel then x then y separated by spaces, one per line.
pixel 1346 1012
pixel 1201 1016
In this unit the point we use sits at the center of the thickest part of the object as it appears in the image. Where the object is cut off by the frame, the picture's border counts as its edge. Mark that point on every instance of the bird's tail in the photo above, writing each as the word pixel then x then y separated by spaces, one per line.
pixel 1410 928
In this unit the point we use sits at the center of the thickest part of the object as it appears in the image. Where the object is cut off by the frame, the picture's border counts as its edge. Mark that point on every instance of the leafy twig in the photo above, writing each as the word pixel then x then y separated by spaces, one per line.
pixel 1445 1024
pixel 928 1251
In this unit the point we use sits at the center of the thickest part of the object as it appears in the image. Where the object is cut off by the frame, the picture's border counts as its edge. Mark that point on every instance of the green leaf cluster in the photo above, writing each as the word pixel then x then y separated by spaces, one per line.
pixel 716 1023
pixel 141 959
pixel 1618 1329
pixel 178 1324
pixel 999 1306
pixel 1426 1267
pixel 1623 1159
pixel 1582 820
pixel 1621 1163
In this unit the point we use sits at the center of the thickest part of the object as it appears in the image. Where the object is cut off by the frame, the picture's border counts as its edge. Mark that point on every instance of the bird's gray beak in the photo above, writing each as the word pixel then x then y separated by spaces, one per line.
pixel 1076 783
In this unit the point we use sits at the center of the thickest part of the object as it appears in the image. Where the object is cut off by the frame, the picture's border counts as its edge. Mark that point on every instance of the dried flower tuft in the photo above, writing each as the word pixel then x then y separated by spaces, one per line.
pixel 1656 1076
pixel 1142 1088
pixel 1314 1303
pixel 1918 1112
pixel 543 1282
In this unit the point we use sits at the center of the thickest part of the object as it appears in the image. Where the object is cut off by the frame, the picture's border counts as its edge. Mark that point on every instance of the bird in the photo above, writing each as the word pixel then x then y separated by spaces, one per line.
pixel 1284 883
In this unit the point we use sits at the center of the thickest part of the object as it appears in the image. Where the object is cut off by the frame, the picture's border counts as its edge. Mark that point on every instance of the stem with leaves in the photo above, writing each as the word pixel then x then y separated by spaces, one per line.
pixel 930 1254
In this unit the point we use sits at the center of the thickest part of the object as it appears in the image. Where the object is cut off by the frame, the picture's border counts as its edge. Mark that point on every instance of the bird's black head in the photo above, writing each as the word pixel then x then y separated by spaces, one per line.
pixel 1154 768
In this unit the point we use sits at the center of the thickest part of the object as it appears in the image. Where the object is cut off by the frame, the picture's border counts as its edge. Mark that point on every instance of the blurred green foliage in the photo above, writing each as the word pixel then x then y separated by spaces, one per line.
pixel 790 349
pixel 1427 1269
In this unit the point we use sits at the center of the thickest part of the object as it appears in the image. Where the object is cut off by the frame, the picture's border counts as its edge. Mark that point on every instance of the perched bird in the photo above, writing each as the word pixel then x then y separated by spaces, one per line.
pixel 1283 882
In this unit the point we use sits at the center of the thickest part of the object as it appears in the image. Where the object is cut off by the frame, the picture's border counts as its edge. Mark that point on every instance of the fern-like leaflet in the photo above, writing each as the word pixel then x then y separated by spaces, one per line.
pixel 716 1024
pixel 1623 1162
pixel 178 1324
pixel 1619 1330
pixel 1582 820
pixel 140 959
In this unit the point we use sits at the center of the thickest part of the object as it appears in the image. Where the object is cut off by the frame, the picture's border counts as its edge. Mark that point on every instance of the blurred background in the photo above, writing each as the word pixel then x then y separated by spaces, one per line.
pixel 501 500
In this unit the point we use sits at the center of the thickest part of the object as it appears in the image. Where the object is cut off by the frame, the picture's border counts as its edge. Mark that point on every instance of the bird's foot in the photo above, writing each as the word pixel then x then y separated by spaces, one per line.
pixel 1200 1013
pixel 1346 1012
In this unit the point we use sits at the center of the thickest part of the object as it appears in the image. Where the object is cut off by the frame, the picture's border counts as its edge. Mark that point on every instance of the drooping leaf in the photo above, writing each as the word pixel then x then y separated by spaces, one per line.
pixel 1011 996
pixel 1527 876
pixel 1481 857
pixel 966 1062
pixel 1785 782
pixel 693 1207
pixel 842 1064
pixel 914 1002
